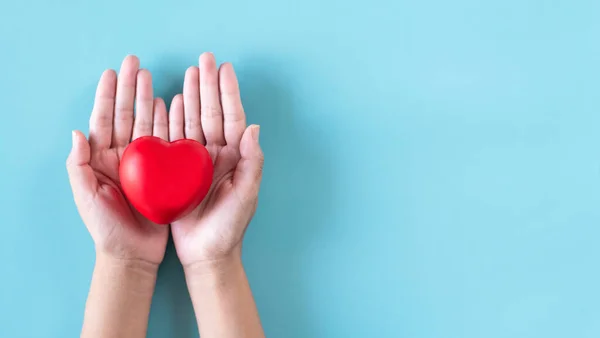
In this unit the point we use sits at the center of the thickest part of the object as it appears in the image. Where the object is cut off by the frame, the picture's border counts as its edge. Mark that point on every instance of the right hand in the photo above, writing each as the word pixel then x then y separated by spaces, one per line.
pixel 118 230
pixel 211 113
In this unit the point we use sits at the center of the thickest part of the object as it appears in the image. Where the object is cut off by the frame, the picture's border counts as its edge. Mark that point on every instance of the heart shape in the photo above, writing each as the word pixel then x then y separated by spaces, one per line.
pixel 165 181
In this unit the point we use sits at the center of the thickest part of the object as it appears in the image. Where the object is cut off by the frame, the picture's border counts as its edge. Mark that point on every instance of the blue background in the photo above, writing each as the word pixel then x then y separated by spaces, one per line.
pixel 432 166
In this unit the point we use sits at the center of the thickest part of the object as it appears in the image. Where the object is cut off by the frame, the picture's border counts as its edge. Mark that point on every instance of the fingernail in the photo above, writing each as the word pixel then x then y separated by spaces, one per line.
pixel 256 132
pixel 73 137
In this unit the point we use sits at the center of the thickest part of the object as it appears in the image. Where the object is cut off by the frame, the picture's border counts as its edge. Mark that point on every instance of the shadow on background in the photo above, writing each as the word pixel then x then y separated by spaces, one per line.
pixel 294 200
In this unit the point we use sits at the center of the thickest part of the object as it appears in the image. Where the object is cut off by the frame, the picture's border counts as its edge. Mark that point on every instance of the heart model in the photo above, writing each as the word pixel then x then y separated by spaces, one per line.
pixel 165 181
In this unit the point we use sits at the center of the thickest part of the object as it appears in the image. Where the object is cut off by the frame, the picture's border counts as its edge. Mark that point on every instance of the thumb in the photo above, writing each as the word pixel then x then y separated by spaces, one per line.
pixel 248 172
pixel 81 174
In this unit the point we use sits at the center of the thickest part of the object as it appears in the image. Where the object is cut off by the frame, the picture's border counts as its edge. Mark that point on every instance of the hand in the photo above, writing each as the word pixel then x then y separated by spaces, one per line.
pixel 210 111
pixel 117 229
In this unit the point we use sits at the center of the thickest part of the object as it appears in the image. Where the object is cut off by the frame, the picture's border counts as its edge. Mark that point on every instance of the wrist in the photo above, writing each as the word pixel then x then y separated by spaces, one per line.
pixel 138 274
pixel 120 297
pixel 213 269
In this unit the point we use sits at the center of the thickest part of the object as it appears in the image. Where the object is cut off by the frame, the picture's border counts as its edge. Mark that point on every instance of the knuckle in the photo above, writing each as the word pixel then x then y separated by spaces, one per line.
pixel 211 111
pixel 192 123
pixel 105 100
pixel 143 123
pixel 234 116
pixel 261 166
pixel 261 162
pixel 102 120
pixel 124 113
pixel 261 158
pixel 161 123
pixel 70 163
pixel 191 98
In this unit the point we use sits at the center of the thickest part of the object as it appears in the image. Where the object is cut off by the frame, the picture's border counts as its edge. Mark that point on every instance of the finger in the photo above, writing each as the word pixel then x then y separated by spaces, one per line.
pixel 191 105
pixel 210 111
pixel 234 119
pixel 161 124
pixel 123 121
pixel 144 105
pixel 176 119
pixel 101 120
pixel 81 176
pixel 248 173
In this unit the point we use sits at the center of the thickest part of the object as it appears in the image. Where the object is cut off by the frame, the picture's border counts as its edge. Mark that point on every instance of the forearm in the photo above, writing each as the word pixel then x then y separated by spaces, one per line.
pixel 222 300
pixel 118 303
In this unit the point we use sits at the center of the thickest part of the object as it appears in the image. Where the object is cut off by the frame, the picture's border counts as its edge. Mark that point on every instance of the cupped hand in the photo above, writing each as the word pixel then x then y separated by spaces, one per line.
pixel 210 111
pixel 117 229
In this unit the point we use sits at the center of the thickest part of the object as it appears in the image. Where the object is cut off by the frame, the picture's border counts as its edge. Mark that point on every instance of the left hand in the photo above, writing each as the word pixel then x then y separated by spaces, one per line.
pixel 118 230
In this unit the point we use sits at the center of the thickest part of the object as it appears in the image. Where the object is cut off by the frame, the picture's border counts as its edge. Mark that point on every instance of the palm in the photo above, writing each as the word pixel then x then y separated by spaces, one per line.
pixel 105 163
pixel 125 227
pixel 215 218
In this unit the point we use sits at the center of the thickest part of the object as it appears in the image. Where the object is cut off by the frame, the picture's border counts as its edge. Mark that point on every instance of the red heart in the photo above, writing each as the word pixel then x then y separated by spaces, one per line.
pixel 165 181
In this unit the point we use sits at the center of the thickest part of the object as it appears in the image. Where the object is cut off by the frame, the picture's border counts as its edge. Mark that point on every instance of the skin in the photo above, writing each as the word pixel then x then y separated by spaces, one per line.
pixel 129 248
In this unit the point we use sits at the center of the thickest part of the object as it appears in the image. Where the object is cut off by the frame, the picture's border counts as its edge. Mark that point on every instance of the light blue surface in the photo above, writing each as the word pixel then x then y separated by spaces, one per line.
pixel 432 166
